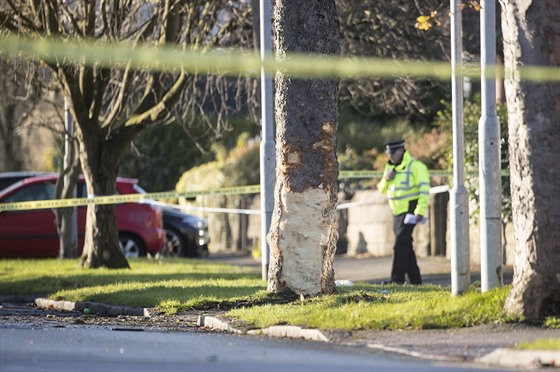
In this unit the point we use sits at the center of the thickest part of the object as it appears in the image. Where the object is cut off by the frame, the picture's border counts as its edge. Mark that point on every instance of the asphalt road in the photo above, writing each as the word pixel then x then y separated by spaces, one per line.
pixel 102 348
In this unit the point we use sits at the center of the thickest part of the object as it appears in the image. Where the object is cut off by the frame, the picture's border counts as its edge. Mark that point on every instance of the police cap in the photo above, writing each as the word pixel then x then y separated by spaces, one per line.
pixel 394 145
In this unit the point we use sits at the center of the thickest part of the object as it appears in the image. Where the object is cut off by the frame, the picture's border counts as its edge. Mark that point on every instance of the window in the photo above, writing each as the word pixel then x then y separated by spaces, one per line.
pixel 39 191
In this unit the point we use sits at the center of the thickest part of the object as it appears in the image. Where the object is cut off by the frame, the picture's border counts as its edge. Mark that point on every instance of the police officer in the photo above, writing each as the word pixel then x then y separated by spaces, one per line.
pixel 406 183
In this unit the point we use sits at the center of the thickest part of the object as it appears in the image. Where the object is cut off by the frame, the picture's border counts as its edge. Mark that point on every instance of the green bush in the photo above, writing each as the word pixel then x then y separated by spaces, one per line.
pixel 360 143
pixel 160 155
pixel 233 167
pixel 471 117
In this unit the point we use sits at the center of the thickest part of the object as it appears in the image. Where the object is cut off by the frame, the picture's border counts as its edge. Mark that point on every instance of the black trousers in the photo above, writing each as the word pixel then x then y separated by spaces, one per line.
pixel 404 259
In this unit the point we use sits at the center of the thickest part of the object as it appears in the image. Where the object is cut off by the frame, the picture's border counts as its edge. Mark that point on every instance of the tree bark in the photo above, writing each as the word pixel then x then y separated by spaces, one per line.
pixel 110 105
pixel 256 18
pixel 65 223
pixel 303 232
pixel 531 34
pixel 100 159
pixel 20 91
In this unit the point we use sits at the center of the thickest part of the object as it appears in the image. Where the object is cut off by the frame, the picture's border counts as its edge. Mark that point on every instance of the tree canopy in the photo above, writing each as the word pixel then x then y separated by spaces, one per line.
pixel 110 106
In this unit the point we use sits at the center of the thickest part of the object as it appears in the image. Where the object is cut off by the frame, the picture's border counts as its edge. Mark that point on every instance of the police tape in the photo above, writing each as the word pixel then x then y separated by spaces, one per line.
pixel 379 174
pixel 245 62
pixel 126 198
pixel 138 198
pixel 193 208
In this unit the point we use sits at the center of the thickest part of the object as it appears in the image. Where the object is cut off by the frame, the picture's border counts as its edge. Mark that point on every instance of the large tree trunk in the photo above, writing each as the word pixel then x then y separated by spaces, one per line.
pixel 531 34
pixel 303 233
pixel 66 219
pixel 100 159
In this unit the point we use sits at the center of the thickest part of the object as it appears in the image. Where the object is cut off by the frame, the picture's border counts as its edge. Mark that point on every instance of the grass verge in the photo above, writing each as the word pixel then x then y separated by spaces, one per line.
pixel 540 344
pixel 369 306
pixel 178 285
pixel 171 285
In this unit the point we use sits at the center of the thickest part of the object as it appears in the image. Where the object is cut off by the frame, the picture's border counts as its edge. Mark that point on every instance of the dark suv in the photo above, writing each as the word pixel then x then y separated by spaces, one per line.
pixel 187 235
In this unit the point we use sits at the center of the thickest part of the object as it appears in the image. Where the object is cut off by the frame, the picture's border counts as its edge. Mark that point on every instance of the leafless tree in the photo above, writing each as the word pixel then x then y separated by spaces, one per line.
pixel 19 94
pixel 386 29
pixel 110 106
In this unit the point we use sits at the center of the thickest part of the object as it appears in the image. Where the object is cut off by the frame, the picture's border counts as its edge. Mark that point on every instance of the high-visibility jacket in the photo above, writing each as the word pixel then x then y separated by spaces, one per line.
pixel 411 182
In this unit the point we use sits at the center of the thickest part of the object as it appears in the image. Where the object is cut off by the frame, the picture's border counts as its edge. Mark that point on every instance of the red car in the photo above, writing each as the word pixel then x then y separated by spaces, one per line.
pixel 33 234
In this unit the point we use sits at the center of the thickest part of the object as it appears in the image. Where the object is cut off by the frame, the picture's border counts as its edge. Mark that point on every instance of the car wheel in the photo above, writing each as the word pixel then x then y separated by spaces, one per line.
pixel 175 246
pixel 131 246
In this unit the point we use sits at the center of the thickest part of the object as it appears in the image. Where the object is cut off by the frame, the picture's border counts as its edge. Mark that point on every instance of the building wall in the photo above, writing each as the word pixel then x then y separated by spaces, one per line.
pixel 368 230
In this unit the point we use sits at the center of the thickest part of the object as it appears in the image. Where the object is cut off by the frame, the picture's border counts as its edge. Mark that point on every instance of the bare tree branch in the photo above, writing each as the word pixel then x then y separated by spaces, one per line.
pixel 111 106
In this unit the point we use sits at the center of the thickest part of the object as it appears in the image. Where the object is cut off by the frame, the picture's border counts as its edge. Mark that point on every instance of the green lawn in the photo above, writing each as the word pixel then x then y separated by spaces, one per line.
pixel 172 285
pixel 368 306
pixel 178 285
pixel 540 344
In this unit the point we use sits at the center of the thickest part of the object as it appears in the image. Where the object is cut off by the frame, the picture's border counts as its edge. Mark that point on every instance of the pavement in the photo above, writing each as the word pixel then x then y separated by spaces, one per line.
pixel 490 344
pixel 371 269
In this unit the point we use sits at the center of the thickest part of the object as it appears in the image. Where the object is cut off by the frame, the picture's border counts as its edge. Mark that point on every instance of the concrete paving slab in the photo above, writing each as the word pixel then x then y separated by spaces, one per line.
pixel 522 358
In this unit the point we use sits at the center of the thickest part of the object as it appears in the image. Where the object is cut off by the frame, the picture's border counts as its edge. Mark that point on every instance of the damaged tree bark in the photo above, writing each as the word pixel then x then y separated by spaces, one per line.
pixel 303 232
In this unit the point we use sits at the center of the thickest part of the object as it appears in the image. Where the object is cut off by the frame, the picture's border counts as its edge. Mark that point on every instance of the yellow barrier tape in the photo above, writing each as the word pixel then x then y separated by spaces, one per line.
pixel 360 174
pixel 235 62
pixel 379 174
pixel 134 198
pixel 128 198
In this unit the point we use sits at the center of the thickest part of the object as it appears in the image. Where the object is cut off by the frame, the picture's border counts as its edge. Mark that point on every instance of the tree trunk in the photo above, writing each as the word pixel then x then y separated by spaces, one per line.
pixel 100 159
pixel 65 217
pixel 303 232
pixel 17 98
pixel 256 18
pixel 531 34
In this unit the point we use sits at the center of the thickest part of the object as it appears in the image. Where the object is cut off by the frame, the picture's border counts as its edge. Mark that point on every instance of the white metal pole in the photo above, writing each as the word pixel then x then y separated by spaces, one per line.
pixel 489 156
pixel 459 201
pixel 267 166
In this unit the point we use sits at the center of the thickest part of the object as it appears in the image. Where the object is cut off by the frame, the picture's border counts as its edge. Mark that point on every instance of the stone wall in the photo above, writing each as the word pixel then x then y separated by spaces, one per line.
pixel 370 230
pixel 370 227
pixel 366 228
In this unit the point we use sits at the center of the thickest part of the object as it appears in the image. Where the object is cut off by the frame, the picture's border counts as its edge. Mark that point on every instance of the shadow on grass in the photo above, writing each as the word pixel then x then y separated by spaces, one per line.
pixel 48 284
pixel 197 297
